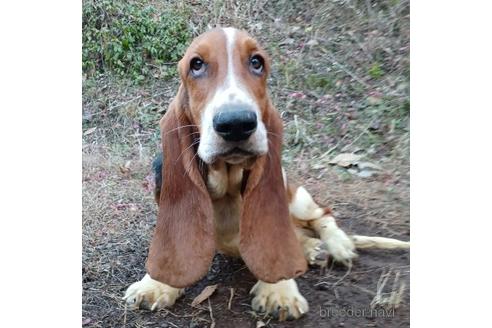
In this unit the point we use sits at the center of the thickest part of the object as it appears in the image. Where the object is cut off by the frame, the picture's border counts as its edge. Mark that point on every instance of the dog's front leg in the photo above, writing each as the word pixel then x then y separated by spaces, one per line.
pixel 282 300
pixel 151 294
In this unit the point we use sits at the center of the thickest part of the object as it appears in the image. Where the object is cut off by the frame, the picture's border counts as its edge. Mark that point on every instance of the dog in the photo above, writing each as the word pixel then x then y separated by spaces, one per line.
pixel 220 186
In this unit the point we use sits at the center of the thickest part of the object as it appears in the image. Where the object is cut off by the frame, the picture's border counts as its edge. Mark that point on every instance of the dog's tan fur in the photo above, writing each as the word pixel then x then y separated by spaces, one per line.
pixel 316 231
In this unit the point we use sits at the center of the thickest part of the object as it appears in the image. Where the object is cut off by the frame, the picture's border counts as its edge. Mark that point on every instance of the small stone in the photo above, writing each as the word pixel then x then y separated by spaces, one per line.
pixel 366 173
pixel 312 42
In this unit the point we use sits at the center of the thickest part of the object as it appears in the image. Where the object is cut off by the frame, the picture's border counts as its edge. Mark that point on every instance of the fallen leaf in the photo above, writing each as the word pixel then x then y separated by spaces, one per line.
pixel 298 95
pixel 89 131
pixel 206 293
pixel 346 159
pixel 287 41
pixel 369 166
pixel 121 207
pixel 260 324
pixel 148 183
pixel 373 101
pixel 318 166
pixel 86 321
pixel 125 170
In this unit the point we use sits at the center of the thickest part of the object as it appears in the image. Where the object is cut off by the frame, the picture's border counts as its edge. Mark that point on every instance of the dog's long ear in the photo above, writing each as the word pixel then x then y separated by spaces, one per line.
pixel 268 244
pixel 183 246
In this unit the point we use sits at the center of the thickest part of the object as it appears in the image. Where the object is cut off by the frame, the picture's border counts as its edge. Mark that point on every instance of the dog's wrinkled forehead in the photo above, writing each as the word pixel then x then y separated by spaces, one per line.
pixel 218 46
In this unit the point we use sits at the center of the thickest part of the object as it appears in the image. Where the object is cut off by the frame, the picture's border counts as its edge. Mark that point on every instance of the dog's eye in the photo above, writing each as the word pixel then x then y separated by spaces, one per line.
pixel 197 66
pixel 256 63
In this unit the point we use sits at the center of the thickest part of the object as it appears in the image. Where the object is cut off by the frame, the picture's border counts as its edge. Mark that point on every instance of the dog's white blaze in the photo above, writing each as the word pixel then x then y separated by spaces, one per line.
pixel 232 91
pixel 230 38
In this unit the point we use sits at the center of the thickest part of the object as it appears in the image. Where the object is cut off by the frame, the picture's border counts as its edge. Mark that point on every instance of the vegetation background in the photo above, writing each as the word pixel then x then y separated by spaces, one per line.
pixel 340 78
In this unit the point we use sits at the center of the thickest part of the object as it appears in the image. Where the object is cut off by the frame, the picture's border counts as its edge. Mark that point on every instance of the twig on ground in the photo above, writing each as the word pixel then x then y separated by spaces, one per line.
pixel 351 143
pixel 338 281
pixel 361 134
pixel 296 138
pixel 229 304
pixel 212 325
pixel 394 299
pixel 365 290
pixel 124 317
pixel 333 148
pixel 124 103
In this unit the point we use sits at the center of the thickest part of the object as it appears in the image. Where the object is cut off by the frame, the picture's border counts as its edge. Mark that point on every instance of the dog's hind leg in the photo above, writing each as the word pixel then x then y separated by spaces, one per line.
pixel 308 214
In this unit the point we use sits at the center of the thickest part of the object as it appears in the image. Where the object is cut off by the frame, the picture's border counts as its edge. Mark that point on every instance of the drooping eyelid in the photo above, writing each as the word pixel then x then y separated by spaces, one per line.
pixel 259 56
pixel 256 52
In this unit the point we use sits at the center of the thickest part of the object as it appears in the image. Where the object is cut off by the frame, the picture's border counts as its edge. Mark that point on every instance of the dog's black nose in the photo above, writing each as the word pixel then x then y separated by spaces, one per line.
pixel 235 125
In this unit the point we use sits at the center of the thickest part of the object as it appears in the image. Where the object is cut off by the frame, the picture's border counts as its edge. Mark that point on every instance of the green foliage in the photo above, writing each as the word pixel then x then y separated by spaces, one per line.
pixel 376 71
pixel 319 81
pixel 290 70
pixel 131 39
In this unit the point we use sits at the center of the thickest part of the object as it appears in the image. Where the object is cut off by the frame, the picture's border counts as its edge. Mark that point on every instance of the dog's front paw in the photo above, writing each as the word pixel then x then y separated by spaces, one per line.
pixel 151 294
pixel 340 247
pixel 281 300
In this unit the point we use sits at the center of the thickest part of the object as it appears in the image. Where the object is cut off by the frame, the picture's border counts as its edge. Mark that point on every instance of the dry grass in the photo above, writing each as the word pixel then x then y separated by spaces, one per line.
pixel 340 77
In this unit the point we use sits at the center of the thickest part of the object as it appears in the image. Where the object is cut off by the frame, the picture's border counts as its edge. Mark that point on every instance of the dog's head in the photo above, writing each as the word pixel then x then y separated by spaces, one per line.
pixel 222 112
pixel 223 76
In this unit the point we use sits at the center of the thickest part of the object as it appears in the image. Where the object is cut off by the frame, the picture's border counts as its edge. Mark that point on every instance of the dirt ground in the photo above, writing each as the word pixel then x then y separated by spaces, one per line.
pixel 345 92
pixel 116 241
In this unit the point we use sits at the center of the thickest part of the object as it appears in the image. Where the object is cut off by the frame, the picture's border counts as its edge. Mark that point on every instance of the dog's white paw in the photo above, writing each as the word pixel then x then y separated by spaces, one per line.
pixel 340 246
pixel 281 300
pixel 151 294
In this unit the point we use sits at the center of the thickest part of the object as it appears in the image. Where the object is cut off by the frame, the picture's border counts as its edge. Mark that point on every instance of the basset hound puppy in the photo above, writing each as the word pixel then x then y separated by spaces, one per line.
pixel 221 186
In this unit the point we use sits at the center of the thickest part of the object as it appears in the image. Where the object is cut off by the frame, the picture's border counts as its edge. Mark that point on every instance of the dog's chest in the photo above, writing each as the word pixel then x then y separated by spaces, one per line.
pixel 224 185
